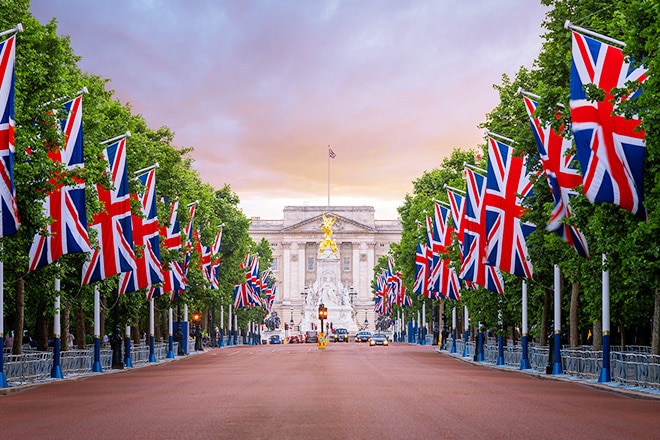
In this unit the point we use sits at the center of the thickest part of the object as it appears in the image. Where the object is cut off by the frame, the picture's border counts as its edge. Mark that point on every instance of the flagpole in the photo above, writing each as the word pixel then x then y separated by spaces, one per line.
pixel 3 377
pixel 524 362
pixel 170 336
pixel 570 26
pixel 557 367
pixel 18 28
pixel 466 329
pixel 605 374
pixel 328 175
pixel 96 366
pixel 56 371
pixel 116 138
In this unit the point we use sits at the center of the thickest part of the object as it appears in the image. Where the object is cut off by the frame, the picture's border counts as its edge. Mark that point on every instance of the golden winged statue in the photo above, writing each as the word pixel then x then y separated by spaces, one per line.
pixel 326 227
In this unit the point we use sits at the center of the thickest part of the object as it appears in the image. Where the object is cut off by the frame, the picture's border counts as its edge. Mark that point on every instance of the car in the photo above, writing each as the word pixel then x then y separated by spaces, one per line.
pixel 340 335
pixel 362 336
pixel 311 336
pixel 295 339
pixel 378 339
pixel 274 339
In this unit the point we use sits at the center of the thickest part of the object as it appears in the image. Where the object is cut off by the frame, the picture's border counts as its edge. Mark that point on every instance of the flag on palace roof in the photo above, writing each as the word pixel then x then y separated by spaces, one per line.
pixel 8 209
pixel 561 170
pixel 64 204
pixel 507 184
pixel 611 149
pixel 149 270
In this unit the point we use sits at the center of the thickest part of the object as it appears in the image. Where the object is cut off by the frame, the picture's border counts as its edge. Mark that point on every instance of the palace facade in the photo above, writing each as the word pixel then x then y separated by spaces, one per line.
pixel 341 280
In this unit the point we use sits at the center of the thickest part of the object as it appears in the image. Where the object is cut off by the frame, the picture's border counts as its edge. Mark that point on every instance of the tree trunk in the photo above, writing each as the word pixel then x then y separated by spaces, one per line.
pixel 41 325
pixel 574 322
pixel 543 336
pixel 66 324
pixel 80 326
pixel 135 334
pixel 622 331
pixel 655 333
pixel 598 335
pixel 20 315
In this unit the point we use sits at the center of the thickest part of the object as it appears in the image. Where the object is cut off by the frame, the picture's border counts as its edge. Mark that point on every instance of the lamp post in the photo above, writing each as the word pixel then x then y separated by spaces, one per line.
pixel 323 315
pixel 198 339
pixel 366 321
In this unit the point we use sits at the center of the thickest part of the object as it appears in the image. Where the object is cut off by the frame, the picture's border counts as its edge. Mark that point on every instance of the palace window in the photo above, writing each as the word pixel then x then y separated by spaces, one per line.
pixel 310 264
pixel 347 264
pixel 274 265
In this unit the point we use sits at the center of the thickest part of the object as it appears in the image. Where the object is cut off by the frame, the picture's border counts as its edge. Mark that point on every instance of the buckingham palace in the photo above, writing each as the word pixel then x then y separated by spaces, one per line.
pixel 338 275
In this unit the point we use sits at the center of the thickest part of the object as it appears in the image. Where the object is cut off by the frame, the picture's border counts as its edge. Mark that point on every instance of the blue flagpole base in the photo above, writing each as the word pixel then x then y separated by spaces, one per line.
pixel 466 335
pixel 453 341
pixel 96 366
pixel 453 347
pixel 557 367
pixel 128 362
pixel 221 340
pixel 56 372
pixel 3 380
pixel 605 373
pixel 152 349
pixel 500 350
pixel 170 348
pixel 524 362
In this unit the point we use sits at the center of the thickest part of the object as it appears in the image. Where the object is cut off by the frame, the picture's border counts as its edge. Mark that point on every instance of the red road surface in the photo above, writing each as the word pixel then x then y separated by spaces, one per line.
pixel 348 391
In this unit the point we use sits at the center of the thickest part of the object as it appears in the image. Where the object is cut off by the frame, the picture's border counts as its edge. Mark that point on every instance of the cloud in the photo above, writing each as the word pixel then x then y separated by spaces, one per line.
pixel 260 88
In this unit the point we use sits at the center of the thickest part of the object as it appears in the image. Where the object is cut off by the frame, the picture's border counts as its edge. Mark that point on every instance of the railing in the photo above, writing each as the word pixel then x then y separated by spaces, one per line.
pixel 33 365
pixel 633 366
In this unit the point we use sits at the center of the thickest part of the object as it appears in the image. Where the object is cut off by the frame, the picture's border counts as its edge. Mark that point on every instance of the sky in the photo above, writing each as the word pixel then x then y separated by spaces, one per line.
pixel 260 89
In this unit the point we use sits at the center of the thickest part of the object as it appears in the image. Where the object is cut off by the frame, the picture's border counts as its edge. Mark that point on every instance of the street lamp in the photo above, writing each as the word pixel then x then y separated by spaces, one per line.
pixel 198 339
pixel 323 314
pixel 366 321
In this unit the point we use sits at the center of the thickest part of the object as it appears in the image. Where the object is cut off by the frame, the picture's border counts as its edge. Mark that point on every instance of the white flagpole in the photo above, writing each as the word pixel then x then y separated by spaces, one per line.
pixel 571 26
pixel 524 362
pixel 557 366
pixel 605 374
pixel 18 28
pixel 3 377
pixel 152 342
pixel 328 175
pixel 96 366
pixel 56 371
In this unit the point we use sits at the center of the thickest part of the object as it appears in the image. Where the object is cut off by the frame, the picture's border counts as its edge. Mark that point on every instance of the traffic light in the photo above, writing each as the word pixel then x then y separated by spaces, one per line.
pixel 323 312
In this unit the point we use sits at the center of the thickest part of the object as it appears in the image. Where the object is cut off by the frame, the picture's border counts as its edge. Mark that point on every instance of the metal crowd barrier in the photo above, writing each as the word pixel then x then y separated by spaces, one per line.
pixel 33 365
pixel 630 365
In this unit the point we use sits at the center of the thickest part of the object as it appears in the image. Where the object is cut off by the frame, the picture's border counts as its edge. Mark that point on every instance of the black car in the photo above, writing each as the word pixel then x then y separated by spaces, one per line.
pixel 363 336
pixel 340 335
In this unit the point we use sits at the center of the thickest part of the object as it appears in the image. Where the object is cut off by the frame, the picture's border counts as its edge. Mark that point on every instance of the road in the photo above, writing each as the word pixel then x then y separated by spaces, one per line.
pixel 348 391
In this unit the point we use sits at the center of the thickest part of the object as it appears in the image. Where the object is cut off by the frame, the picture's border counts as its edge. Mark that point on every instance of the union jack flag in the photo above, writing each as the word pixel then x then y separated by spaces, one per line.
pixel 508 182
pixel 65 205
pixel 241 296
pixel 448 284
pixel 610 148
pixel 113 224
pixel 561 171
pixel 421 267
pixel 170 236
pixel 8 208
pixel 473 264
pixel 457 208
pixel 380 305
pixel 149 270
pixel 188 232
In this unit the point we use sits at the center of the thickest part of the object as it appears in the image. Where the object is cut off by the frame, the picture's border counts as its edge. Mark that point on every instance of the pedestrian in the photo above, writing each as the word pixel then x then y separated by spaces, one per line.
pixel 106 339
pixel 70 339
pixel 445 335
pixel 9 341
